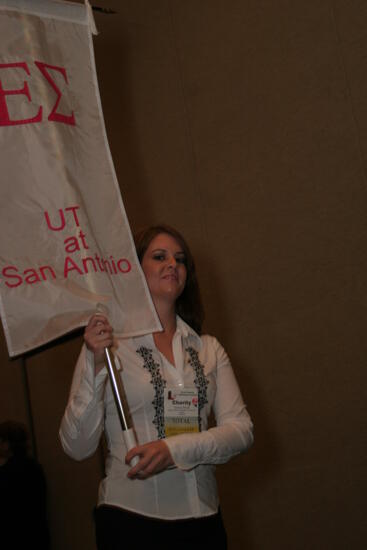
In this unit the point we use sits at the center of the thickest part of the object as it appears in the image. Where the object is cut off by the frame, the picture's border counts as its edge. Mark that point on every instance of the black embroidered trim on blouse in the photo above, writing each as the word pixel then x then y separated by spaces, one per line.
pixel 201 382
pixel 158 384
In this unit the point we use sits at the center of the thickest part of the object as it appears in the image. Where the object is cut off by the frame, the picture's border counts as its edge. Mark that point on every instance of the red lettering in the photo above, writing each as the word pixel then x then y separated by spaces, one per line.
pixel 7 273
pixel 106 263
pixel 99 262
pixel 62 217
pixel 71 245
pixel 73 266
pixel 44 269
pixel 4 113
pixel 85 264
pixel 54 115
pixel 62 221
pixel 82 238
pixel 31 276
pixel 113 265
pixel 73 208
pixel 128 265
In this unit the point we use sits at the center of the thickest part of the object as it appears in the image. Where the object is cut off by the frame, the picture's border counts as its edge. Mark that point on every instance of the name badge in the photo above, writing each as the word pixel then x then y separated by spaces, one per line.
pixel 181 412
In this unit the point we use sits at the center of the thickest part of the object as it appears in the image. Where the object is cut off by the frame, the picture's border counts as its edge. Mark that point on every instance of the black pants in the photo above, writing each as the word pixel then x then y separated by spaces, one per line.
pixel 117 529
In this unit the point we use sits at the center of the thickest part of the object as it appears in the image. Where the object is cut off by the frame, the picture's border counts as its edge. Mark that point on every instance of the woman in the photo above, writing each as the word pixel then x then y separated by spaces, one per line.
pixel 172 380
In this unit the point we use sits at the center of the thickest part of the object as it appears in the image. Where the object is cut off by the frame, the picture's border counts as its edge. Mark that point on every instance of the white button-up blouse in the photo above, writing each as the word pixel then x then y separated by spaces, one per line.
pixel 189 489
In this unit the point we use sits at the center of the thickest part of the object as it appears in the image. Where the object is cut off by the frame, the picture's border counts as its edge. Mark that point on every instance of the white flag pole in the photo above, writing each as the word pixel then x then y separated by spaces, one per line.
pixel 121 403
pixel 119 395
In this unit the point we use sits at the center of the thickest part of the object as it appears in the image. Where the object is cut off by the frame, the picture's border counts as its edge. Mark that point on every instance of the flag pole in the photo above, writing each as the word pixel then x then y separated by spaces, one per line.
pixel 121 403
pixel 117 390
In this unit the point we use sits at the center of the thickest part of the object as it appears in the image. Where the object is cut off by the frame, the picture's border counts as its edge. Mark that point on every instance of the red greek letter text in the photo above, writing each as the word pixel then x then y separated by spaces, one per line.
pixel 54 115
pixel 4 113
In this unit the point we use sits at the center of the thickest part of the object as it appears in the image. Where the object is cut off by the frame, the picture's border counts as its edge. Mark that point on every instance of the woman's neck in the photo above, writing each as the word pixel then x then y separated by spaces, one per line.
pixel 163 340
pixel 167 316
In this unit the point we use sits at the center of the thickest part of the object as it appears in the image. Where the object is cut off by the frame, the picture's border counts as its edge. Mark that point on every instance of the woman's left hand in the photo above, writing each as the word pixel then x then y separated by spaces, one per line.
pixel 154 458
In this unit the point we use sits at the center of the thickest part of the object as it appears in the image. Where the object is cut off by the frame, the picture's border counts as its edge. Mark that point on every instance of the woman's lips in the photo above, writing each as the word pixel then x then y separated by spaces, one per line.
pixel 171 277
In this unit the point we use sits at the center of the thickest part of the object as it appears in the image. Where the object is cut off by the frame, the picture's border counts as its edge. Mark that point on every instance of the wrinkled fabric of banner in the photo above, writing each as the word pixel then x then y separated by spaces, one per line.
pixel 66 244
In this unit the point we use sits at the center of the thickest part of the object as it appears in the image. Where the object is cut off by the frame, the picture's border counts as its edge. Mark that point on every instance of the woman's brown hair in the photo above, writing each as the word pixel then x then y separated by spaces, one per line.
pixel 188 305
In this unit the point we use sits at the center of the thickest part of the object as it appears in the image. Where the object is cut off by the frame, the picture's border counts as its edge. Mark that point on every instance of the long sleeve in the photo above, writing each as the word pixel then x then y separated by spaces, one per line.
pixel 200 364
pixel 82 423
pixel 233 432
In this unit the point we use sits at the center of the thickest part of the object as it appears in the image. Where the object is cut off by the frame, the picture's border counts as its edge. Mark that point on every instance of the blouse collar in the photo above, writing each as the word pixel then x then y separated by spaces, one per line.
pixel 189 336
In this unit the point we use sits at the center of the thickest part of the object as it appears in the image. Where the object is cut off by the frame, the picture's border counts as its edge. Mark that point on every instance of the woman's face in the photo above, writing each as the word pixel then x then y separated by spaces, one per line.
pixel 164 266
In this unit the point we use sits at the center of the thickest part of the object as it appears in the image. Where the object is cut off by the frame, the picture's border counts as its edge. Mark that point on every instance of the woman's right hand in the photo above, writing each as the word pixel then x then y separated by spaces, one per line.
pixel 98 335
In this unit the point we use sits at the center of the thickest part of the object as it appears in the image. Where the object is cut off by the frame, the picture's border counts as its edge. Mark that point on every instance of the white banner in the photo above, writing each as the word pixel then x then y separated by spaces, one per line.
pixel 65 240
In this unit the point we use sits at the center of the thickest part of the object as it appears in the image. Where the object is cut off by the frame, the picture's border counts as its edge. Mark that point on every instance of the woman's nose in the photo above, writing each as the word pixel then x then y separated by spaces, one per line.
pixel 172 262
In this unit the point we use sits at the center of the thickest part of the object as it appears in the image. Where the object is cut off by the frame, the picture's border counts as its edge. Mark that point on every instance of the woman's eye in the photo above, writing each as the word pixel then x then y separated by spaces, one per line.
pixel 181 260
pixel 159 257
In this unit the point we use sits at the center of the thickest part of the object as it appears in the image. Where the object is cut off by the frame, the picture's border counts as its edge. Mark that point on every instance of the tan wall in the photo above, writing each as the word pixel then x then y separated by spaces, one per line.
pixel 244 124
